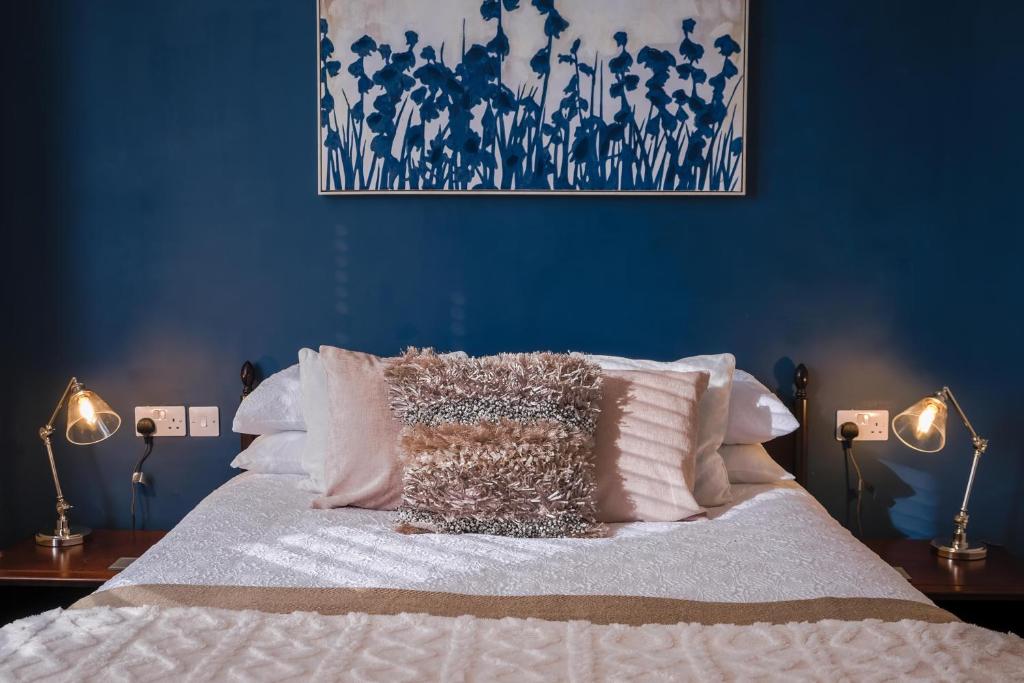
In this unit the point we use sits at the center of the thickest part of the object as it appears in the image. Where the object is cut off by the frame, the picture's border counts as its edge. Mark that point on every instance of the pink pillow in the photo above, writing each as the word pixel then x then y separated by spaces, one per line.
pixel 362 465
pixel 646 445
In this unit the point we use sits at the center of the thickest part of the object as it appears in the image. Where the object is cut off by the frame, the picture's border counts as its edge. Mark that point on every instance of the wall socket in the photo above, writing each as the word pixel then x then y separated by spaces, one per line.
pixel 170 420
pixel 873 424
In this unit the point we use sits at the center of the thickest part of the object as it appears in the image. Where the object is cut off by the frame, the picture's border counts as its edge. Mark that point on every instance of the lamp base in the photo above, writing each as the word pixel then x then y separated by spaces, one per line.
pixel 76 536
pixel 943 548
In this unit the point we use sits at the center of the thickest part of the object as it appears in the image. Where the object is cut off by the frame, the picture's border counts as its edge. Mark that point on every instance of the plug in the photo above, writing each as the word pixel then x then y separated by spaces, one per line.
pixel 849 431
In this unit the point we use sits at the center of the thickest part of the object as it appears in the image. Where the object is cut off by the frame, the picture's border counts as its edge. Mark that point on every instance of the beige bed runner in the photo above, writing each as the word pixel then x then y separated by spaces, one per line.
pixel 597 609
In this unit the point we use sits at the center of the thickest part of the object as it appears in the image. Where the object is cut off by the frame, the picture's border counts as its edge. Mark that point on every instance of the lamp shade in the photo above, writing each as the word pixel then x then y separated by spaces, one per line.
pixel 922 426
pixel 90 419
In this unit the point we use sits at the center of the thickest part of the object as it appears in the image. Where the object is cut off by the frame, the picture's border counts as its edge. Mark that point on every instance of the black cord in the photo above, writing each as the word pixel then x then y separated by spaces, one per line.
pixel 848 452
pixel 136 472
pixel 849 432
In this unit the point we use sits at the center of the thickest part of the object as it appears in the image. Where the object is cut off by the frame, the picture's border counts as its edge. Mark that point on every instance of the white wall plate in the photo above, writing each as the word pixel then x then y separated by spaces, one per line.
pixel 873 424
pixel 170 420
pixel 203 421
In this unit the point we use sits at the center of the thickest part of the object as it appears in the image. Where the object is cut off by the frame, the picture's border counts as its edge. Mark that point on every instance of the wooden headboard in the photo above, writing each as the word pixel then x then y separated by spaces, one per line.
pixel 789 451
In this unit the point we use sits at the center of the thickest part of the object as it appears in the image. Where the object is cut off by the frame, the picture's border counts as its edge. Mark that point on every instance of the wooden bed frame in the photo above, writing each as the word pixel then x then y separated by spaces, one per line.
pixel 789 451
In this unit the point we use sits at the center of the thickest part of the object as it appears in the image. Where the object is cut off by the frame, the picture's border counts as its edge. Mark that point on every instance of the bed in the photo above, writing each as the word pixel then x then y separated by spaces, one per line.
pixel 255 585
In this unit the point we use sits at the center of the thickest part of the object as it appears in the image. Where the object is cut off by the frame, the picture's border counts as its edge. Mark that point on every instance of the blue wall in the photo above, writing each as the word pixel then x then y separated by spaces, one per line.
pixel 166 153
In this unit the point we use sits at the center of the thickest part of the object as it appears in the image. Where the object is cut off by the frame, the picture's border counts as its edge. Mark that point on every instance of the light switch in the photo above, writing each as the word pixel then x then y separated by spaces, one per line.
pixel 169 420
pixel 203 421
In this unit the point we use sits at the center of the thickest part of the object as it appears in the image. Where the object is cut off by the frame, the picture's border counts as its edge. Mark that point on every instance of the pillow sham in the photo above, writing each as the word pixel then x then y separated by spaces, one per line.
pixel 361 462
pixel 314 409
pixel 711 485
pixel 279 453
pixel 275 405
pixel 756 414
pixel 645 445
pixel 497 445
pixel 752 464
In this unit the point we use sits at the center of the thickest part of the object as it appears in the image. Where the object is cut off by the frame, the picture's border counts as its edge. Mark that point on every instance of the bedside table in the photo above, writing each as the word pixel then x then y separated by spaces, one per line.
pixel 988 592
pixel 35 578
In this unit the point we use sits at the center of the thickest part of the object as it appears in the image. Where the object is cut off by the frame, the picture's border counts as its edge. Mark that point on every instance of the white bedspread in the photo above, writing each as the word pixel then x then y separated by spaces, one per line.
pixel 203 644
pixel 775 543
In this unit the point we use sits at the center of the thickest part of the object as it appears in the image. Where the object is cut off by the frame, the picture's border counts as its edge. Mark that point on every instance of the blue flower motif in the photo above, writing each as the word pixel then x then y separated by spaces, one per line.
pixel 490 9
pixel 688 26
pixel 541 62
pixel 727 46
pixel 364 46
pixel 621 38
pixel 544 6
pixel 555 24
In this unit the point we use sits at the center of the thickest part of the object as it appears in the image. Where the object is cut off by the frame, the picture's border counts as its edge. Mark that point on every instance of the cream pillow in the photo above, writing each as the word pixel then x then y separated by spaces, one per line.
pixel 712 479
pixel 361 462
pixel 752 464
pixel 645 446
pixel 314 410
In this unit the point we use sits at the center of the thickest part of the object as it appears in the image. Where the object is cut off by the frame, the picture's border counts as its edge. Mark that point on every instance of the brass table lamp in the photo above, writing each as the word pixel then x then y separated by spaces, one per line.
pixel 922 427
pixel 90 420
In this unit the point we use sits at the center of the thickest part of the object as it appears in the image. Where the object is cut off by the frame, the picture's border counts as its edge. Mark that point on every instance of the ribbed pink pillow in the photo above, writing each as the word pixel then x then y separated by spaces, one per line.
pixel 645 449
pixel 362 466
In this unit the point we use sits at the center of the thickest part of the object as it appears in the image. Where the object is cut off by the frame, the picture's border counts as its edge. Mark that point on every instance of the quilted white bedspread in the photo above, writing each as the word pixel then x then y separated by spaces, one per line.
pixel 774 543
pixel 203 644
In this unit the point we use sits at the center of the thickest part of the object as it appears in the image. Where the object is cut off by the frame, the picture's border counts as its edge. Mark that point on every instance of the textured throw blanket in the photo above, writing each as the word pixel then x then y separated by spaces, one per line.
pixel 212 644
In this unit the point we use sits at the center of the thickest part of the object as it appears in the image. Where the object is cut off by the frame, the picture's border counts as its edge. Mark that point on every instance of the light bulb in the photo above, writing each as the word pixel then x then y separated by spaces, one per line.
pixel 926 419
pixel 86 410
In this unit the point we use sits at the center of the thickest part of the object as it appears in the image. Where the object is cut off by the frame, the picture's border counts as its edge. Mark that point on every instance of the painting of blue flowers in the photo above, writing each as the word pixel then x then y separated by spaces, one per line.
pixel 532 96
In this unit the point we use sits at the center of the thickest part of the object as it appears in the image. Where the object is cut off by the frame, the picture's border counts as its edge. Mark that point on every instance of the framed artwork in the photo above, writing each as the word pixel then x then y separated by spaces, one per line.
pixel 532 96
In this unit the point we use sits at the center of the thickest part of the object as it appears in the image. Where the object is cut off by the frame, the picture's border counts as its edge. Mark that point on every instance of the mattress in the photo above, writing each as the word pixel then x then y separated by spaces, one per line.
pixel 774 542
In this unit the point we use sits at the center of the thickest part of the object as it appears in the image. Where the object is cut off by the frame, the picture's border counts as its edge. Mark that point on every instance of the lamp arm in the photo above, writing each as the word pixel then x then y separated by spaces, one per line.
pixel 72 383
pixel 959 545
pixel 62 528
pixel 979 443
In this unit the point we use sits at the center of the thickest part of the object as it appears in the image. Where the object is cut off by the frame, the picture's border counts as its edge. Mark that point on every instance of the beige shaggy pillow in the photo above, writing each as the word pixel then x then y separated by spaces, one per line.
pixel 497 445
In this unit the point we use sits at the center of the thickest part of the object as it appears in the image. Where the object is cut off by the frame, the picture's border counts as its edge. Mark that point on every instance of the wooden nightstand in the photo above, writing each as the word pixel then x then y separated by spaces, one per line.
pixel 988 592
pixel 35 578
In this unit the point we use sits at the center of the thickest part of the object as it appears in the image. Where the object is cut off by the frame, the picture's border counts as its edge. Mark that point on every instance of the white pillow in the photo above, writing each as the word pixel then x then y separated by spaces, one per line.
pixel 279 453
pixel 751 464
pixel 711 487
pixel 315 411
pixel 756 414
pixel 274 406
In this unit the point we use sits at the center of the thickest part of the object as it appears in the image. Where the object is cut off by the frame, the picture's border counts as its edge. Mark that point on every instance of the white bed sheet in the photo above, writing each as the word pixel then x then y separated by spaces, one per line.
pixel 775 542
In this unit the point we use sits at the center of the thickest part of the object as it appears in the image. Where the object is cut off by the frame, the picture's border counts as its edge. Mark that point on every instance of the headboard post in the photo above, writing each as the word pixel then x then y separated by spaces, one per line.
pixel 800 379
pixel 248 376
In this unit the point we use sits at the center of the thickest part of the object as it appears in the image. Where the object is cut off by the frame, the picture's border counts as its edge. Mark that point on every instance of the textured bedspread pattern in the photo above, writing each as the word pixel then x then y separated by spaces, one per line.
pixel 205 644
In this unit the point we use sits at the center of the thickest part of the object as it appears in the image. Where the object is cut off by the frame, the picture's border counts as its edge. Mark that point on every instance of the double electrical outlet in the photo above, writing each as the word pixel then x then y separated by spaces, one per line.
pixel 872 425
pixel 170 420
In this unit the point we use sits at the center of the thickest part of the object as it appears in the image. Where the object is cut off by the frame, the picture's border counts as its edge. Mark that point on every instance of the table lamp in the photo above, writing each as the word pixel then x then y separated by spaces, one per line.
pixel 922 427
pixel 90 420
